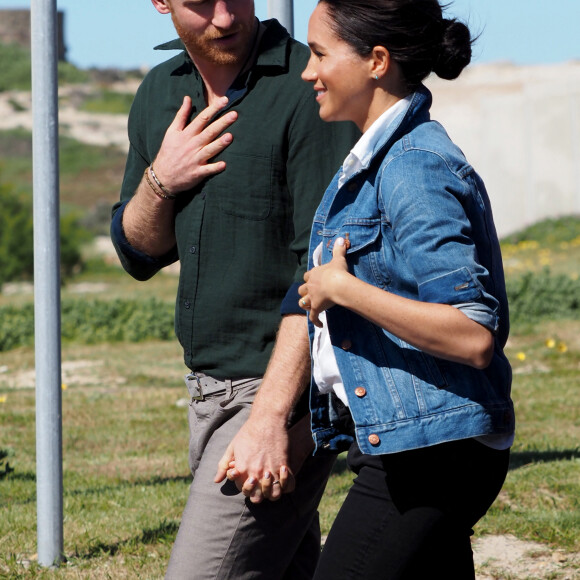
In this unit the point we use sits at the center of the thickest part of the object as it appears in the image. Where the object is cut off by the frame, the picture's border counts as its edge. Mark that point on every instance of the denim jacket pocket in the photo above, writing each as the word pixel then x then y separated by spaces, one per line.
pixel 360 234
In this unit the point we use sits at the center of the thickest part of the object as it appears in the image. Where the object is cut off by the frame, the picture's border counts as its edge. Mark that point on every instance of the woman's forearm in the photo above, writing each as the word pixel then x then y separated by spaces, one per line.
pixel 438 329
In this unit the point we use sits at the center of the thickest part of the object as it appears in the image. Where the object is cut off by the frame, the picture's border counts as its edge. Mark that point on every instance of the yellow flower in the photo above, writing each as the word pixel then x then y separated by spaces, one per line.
pixel 550 343
pixel 64 387
pixel 562 347
pixel 3 398
pixel 521 356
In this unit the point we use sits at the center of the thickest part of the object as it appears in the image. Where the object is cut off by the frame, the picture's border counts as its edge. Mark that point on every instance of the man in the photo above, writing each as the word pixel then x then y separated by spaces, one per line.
pixel 228 159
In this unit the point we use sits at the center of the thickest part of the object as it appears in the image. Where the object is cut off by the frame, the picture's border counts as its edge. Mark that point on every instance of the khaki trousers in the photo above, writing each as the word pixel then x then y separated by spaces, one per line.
pixel 224 536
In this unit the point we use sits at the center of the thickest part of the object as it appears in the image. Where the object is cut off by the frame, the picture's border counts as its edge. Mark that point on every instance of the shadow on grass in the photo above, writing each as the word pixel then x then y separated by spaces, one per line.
pixel 5 468
pixel 340 465
pixel 165 533
pixel 521 458
pixel 100 489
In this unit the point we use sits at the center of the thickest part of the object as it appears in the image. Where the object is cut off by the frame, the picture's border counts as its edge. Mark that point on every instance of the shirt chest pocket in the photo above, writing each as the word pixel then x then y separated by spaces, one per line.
pixel 244 188
pixel 365 255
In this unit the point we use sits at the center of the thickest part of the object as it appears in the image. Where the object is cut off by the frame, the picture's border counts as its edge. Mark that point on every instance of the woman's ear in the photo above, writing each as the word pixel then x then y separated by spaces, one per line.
pixel 380 62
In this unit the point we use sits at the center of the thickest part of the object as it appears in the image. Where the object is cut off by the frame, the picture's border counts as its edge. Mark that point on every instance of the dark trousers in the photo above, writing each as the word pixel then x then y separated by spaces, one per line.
pixel 408 516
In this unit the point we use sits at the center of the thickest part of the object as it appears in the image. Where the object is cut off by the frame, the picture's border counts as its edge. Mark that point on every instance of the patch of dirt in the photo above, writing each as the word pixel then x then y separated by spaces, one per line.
pixel 92 128
pixel 77 373
pixel 502 557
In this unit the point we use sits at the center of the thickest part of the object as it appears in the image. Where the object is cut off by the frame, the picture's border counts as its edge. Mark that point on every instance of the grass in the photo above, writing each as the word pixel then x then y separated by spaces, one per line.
pixel 107 101
pixel 15 69
pixel 552 244
pixel 125 468
pixel 126 474
pixel 89 175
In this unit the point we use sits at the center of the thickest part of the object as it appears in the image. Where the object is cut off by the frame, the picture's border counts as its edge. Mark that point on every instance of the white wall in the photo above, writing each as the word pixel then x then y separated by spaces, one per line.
pixel 520 129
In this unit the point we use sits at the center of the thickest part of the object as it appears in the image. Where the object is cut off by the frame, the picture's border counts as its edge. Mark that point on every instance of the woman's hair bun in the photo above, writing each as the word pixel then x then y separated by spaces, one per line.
pixel 455 50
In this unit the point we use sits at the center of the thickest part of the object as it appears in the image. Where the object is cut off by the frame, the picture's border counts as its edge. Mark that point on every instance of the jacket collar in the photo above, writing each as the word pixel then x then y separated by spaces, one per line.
pixel 416 112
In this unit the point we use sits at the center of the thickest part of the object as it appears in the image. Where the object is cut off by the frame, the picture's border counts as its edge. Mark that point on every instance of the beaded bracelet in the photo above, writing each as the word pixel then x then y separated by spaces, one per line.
pixel 155 190
pixel 159 184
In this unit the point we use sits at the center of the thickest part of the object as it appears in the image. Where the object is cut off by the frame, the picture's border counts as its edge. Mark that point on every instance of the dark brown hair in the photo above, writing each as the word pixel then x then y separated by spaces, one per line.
pixel 414 32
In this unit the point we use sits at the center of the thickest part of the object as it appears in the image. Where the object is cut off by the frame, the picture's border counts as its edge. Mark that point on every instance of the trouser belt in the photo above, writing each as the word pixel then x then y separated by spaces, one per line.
pixel 201 385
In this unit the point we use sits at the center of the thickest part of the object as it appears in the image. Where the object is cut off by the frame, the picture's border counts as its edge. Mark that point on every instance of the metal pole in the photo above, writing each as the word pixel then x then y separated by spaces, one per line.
pixel 283 11
pixel 47 282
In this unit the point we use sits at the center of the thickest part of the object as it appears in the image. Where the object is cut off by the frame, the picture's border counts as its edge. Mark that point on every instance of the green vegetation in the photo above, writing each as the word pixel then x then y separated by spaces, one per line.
pixel 534 296
pixel 107 101
pixel 16 239
pixel 92 322
pixel 89 176
pixel 15 69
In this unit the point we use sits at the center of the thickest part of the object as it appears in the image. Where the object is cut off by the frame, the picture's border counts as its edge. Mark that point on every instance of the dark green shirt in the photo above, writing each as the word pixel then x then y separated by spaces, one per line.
pixel 242 235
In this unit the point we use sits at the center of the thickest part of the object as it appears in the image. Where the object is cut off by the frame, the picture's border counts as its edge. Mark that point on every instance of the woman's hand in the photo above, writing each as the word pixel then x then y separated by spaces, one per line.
pixel 322 282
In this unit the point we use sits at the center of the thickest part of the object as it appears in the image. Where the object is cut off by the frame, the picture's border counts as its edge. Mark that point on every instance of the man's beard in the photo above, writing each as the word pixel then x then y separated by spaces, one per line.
pixel 204 47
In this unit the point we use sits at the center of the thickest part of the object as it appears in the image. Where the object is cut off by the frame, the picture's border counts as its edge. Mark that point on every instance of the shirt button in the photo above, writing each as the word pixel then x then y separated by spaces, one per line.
pixel 346 344
pixel 360 391
pixel 187 304
pixel 374 439
pixel 192 250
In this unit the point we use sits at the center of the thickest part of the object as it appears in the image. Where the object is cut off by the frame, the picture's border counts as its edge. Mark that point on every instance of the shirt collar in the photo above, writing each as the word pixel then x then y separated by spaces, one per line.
pixel 361 154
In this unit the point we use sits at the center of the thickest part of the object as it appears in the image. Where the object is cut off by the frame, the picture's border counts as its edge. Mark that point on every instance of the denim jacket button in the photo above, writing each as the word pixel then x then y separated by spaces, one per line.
pixel 374 439
pixel 346 344
pixel 360 391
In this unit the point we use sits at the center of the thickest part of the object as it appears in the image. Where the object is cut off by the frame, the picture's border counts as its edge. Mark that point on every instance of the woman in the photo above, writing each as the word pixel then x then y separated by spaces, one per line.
pixel 407 301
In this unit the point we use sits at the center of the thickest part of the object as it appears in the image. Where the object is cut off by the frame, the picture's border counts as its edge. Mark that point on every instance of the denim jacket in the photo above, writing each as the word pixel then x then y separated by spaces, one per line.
pixel 420 226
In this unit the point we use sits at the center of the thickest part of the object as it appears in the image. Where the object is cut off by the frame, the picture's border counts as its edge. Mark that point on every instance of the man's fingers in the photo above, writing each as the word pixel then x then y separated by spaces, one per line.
pixel 217 146
pixel 203 119
pixel 182 116
pixel 232 474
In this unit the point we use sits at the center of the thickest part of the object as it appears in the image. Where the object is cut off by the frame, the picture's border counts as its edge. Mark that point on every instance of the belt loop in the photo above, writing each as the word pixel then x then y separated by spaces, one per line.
pixel 229 388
